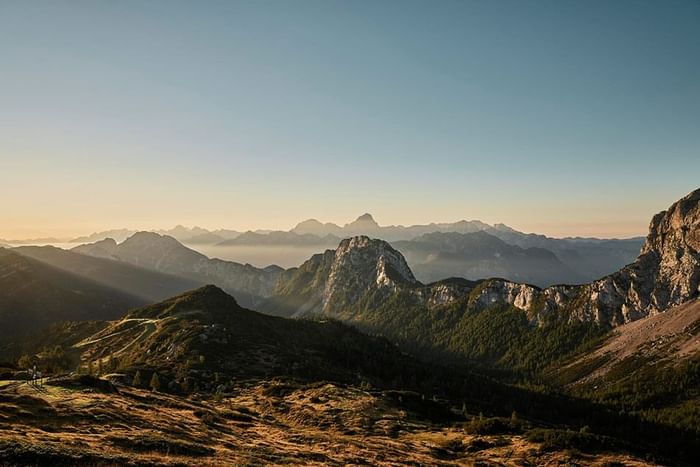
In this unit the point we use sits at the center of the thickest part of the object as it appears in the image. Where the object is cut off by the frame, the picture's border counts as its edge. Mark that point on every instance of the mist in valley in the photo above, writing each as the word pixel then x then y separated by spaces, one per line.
pixel 261 256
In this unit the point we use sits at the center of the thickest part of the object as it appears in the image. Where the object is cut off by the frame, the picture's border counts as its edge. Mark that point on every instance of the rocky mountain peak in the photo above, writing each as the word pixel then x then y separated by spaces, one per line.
pixel 676 228
pixel 666 273
pixel 672 249
pixel 361 250
pixel 362 265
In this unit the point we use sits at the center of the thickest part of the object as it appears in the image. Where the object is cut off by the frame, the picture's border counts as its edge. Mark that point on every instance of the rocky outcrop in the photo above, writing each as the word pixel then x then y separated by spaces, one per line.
pixel 666 274
pixel 335 281
pixel 362 265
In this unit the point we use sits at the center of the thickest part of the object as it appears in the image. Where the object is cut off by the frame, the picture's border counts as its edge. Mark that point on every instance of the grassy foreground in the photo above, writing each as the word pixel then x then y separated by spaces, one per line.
pixel 87 421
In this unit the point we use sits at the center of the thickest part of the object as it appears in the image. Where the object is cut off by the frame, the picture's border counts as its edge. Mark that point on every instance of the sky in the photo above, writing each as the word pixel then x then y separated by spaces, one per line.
pixel 558 117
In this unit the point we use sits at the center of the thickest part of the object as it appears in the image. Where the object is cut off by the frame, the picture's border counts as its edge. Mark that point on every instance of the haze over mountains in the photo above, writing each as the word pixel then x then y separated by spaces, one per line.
pixel 34 295
pixel 165 254
pixel 469 249
pixel 147 284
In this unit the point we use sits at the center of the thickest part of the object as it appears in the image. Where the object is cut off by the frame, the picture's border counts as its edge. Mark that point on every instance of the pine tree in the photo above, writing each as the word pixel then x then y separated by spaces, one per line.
pixel 155 382
pixel 137 380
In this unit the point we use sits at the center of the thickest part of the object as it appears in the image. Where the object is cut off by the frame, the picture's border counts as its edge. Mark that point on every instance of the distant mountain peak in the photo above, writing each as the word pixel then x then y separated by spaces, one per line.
pixel 363 224
pixel 145 235
pixel 310 222
pixel 316 227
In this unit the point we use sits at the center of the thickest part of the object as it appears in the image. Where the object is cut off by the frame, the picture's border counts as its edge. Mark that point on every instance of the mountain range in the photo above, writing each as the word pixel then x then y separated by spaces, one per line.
pixel 495 323
pixel 165 254
pixel 609 365
pixel 648 285
pixel 470 249
pixel 368 272
pixel 478 255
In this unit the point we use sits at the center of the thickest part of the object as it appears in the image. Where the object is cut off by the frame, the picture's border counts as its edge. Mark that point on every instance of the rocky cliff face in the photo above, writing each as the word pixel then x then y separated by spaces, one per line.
pixel 666 274
pixel 362 265
pixel 334 282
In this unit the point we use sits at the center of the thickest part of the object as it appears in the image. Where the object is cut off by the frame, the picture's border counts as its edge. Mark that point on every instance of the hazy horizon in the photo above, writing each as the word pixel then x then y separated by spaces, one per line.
pixel 560 118
pixel 69 234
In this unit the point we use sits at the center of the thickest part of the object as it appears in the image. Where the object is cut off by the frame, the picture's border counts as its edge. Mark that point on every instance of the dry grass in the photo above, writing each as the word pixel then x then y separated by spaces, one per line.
pixel 268 423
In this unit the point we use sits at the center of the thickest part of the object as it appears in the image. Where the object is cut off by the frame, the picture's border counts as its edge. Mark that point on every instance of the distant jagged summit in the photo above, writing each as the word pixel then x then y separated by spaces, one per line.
pixel 364 223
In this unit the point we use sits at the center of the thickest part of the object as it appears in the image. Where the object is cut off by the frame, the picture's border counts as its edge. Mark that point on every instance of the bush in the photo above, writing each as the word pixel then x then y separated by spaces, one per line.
pixel 492 426
pixel 155 382
pixel 557 440
pixel 136 382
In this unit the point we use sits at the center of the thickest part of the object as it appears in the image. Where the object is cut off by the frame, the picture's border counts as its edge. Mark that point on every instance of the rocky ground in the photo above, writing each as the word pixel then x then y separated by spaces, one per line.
pixel 91 422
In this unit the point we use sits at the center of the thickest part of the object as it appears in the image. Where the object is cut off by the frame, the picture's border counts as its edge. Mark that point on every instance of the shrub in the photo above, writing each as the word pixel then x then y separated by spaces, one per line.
pixel 556 440
pixel 155 382
pixel 136 382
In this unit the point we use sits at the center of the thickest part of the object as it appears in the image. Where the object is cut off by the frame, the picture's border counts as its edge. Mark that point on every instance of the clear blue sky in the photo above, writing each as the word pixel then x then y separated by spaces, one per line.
pixel 561 117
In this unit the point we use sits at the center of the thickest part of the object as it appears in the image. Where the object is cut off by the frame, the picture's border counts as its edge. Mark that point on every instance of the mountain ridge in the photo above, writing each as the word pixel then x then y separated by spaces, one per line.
pixel 479 255
pixel 165 254
pixel 669 258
